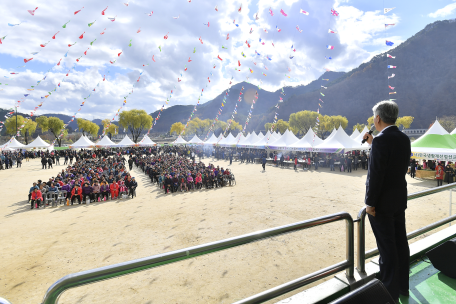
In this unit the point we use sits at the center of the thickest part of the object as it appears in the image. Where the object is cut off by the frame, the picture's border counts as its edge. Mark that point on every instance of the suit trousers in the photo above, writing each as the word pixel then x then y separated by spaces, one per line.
pixel 391 237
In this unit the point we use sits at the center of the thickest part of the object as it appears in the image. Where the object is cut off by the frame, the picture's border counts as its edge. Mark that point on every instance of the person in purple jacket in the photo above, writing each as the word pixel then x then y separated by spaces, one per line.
pixel 66 187
pixel 86 192
pixel 104 189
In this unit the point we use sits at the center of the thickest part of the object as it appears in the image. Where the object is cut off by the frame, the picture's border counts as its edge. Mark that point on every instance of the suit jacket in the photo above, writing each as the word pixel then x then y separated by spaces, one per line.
pixel 386 188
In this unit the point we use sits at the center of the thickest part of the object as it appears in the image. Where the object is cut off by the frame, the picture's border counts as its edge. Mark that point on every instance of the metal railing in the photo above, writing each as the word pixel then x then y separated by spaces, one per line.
pixel 361 253
pixel 108 272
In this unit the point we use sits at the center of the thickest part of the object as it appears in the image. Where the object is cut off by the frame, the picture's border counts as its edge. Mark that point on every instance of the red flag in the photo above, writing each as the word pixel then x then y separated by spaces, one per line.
pixel 118 55
pixel 85 53
pixel 103 32
pixel 78 11
pixel 189 60
pixel 27 60
pixel 82 36
pixel 53 37
pixel 103 11
pixel 239 63
pixel 218 56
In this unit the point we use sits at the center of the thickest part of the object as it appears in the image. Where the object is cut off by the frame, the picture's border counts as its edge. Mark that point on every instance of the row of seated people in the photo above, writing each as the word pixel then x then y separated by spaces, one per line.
pixel 172 173
pixel 88 180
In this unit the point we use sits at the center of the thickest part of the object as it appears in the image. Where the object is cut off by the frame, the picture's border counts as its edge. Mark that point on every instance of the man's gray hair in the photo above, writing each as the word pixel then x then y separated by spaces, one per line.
pixel 387 110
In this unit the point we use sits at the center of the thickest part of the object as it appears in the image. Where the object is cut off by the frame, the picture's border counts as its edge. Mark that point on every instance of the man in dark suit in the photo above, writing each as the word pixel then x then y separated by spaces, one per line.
pixel 386 197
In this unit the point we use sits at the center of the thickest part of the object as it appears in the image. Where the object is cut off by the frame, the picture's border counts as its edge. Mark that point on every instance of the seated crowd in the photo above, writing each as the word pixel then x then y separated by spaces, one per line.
pixel 88 179
pixel 173 171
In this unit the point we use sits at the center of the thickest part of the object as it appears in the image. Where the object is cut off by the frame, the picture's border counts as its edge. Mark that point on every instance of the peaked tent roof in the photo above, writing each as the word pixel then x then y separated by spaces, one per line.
pixel 338 142
pixel 260 135
pixel 284 142
pixel 37 143
pixel 126 142
pixel 435 137
pixel 105 142
pixel 229 140
pixel 359 138
pixel 355 134
pixel 179 141
pixel 195 140
pixel 263 141
pixel 308 142
pixel 249 141
pixel 82 142
pixel 211 140
pixel 146 141
pixel 453 132
pixel 14 144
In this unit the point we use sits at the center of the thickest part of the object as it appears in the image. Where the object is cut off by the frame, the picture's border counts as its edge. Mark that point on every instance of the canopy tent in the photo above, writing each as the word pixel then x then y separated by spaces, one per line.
pixel 126 142
pixel 211 140
pixel 82 142
pixel 249 141
pixel 37 143
pixel 284 142
pixel 264 141
pixel 436 143
pixel 195 140
pixel 13 144
pixel 260 135
pixel 355 134
pixel 339 142
pixel 105 142
pixel 220 137
pixel 453 133
pixel 228 141
pixel 332 134
pixel 179 141
pixel 308 142
pixel 146 142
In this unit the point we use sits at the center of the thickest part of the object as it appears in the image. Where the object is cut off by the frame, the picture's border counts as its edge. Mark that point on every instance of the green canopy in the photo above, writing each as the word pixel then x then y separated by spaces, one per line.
pixel 436 137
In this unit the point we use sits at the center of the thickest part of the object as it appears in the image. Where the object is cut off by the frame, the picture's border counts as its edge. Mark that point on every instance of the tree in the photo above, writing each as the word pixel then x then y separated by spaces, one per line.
pixel 201 126
pixel 282 126
pixel 86 126
pixel 235 126
pixel 358 126
pixel 267 126
pixel 111 130
pixel 176 127
pixel 301 122
pixel 136 121
pixel 370 122
pixel 28 129
pixel 404 121
pixel 448 123
pixel 220 125
pixel 52 124
pixel 336 122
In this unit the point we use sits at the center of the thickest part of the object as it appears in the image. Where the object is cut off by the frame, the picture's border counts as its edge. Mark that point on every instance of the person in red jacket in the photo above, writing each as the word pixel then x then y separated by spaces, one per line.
pixel 114 187
pixel 77 191
pixel 37 198
pixel 295 162
pixel 439 172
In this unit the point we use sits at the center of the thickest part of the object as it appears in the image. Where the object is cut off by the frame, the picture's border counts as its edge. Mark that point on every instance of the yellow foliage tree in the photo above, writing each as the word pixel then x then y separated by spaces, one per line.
pixel 177 128
pixel 28 129
pixel 111 130
pixel 136 121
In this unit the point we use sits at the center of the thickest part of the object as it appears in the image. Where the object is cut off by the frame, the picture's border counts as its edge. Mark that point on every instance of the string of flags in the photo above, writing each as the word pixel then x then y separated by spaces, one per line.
pixel 388 56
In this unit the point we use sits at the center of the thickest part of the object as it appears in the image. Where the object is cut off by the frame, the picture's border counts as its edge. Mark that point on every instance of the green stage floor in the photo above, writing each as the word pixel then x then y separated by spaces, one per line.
pixel 428 285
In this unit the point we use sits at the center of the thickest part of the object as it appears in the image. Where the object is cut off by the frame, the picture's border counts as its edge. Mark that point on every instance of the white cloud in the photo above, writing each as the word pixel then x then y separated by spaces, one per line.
pixel 357 29
pixel 443 12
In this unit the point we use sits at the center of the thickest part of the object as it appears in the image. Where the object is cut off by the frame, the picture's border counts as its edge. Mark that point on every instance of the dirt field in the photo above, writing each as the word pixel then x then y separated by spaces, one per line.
pixel 41 246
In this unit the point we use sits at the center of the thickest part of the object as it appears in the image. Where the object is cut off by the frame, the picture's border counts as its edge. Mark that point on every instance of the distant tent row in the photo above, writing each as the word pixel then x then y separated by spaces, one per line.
pixel 83 142
pixel 337 141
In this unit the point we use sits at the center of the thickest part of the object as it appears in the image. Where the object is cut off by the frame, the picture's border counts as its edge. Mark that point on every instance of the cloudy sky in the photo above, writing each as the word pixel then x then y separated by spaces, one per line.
pixel 360 35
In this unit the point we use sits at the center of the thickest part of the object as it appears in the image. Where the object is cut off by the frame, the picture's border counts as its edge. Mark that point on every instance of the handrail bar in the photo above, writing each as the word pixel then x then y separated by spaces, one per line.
pixel 107 272
pixel 362 255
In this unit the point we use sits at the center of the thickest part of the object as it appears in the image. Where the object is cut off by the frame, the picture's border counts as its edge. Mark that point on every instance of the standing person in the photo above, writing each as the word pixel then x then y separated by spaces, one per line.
pixel 49 161
pixel 130 163
pixel 66 159
pixel 363 161
pixel 19 161
pixel 386 197
pixel 412 168
pixel 439 172
pixel 57 159
pixel 349 164
pixel 231 158
pixel 132 185
pixel 43 162
pixel 449 172
pixel 264 163
pixel 296 163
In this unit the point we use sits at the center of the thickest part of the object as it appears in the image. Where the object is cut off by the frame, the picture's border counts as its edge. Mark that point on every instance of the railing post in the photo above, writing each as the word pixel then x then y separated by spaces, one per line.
pixel 361 248
pixel 350 248
pixel 451 202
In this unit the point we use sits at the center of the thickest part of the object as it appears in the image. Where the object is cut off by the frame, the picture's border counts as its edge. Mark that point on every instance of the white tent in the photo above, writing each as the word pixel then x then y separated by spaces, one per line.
pixel 195 140
pixel 82 142
pixel 211 140
pixel 355 134
pixel 453 132
pixel 436 143
pixel 249 141
pixel 332 134
pixel 146 142
pixel 105 142
pixel 260 135
pixel 308 142
pixel 284 142
pixel 179 141
pixel 220 137
pixel 338 142
pixel 126 142
pixel 13 144
pixel 264 141
pixel 37 143
pixel 228 141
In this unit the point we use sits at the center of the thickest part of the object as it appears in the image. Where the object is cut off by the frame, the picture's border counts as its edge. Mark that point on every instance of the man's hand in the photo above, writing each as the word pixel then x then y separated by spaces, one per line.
pixel 370 210
pixel 369 137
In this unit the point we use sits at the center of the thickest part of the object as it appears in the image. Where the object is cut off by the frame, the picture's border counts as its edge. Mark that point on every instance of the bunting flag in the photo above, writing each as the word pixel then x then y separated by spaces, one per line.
pixel 78 11
pixel 391 76
pixel 283 13
pixel 304 12
pixel 91 23
pixel 330 47
pixel 389 43
pixel 334 12
pixel 391 66
pixel 391 24
pixel 386 10
pixel 103 11
pixel 330 31
pixel 32 12
pixel 27 60
pixel 64 26
pixel 390 56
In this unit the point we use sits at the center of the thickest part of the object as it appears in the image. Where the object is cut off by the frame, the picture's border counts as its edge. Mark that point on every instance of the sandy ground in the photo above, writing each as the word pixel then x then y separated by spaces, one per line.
pixel 41 246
